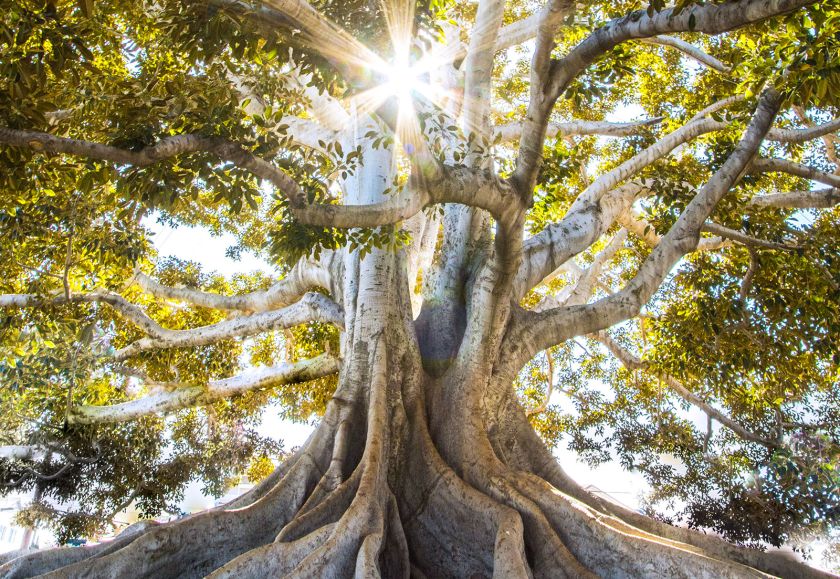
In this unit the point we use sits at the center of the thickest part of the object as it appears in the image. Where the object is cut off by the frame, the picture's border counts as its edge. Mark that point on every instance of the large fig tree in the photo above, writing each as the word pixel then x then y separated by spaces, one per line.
pixel 471 207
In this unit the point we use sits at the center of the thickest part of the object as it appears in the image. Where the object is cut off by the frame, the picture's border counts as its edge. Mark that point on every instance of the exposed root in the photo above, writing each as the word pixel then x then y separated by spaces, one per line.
pixel 610 547
pixel 452 529
pixel 274 559
pixel 40 562
pixel 196 545
pixel 561 497
pixel 327 511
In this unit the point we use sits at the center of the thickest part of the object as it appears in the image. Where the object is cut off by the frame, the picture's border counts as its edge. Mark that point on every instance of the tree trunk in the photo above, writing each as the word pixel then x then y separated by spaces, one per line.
pixel 424 464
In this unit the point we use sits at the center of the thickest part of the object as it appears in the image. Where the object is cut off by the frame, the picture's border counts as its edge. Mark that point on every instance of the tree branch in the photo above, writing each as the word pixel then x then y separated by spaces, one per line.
pixel 478 66
pixel 658 150
pixel 38 452
pixel 545 252
pixel 186 397
pixel 785 166
pixel 304 276
pixel 389 212
pixel 165 148
pixel 311 307
pixel 536 331
pixel 743 238
pixel 707 18
pixel 637 225
pixel 691 51
pixel 716 106
pixel 586 219
pixel 802 135
pixel 580 292
pixel 799 199
pixel 830 140
pixel 513 131
pixel 122 306
pixel 631 362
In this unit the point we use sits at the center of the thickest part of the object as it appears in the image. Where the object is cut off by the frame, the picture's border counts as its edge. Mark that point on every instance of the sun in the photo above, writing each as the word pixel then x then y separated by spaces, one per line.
pixel 403 81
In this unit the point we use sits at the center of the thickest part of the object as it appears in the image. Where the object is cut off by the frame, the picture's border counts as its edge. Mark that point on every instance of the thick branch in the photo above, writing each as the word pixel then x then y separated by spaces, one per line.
pixel 820 198
pixel 802 135
pixel 555 326
pixel 398 208
pixel 385 213
pixel 793 168
pixel 707 18
pixel 304 276
pixel 312 307
pixel 540 103
pixel 478 66
pixel 640 227
pixel 122 306
pixel 186 397
pixel 559 242
pixel 513 131
pixel 716 106
pixel 544 252
pixel 166 148
pixel 658 150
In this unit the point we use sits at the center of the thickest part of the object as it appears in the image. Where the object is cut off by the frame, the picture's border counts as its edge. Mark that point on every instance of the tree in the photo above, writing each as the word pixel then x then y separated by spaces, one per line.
pixel 423 185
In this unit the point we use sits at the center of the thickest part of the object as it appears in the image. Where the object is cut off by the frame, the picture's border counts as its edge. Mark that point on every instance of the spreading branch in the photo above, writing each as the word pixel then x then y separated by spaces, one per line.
pixel 802 135
pixel 707 18
pixel 304 276
pixel 691 51
pixel 126 309
pixel 478 66
pixel 632 362
pixel 820 198
pixel 513 131
pixel 544 329
pixel 389 212
pixel 173 397
pixel 555 245
pixel 590 214
pixel 641 228
pixel 793 168
pixel 311 307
